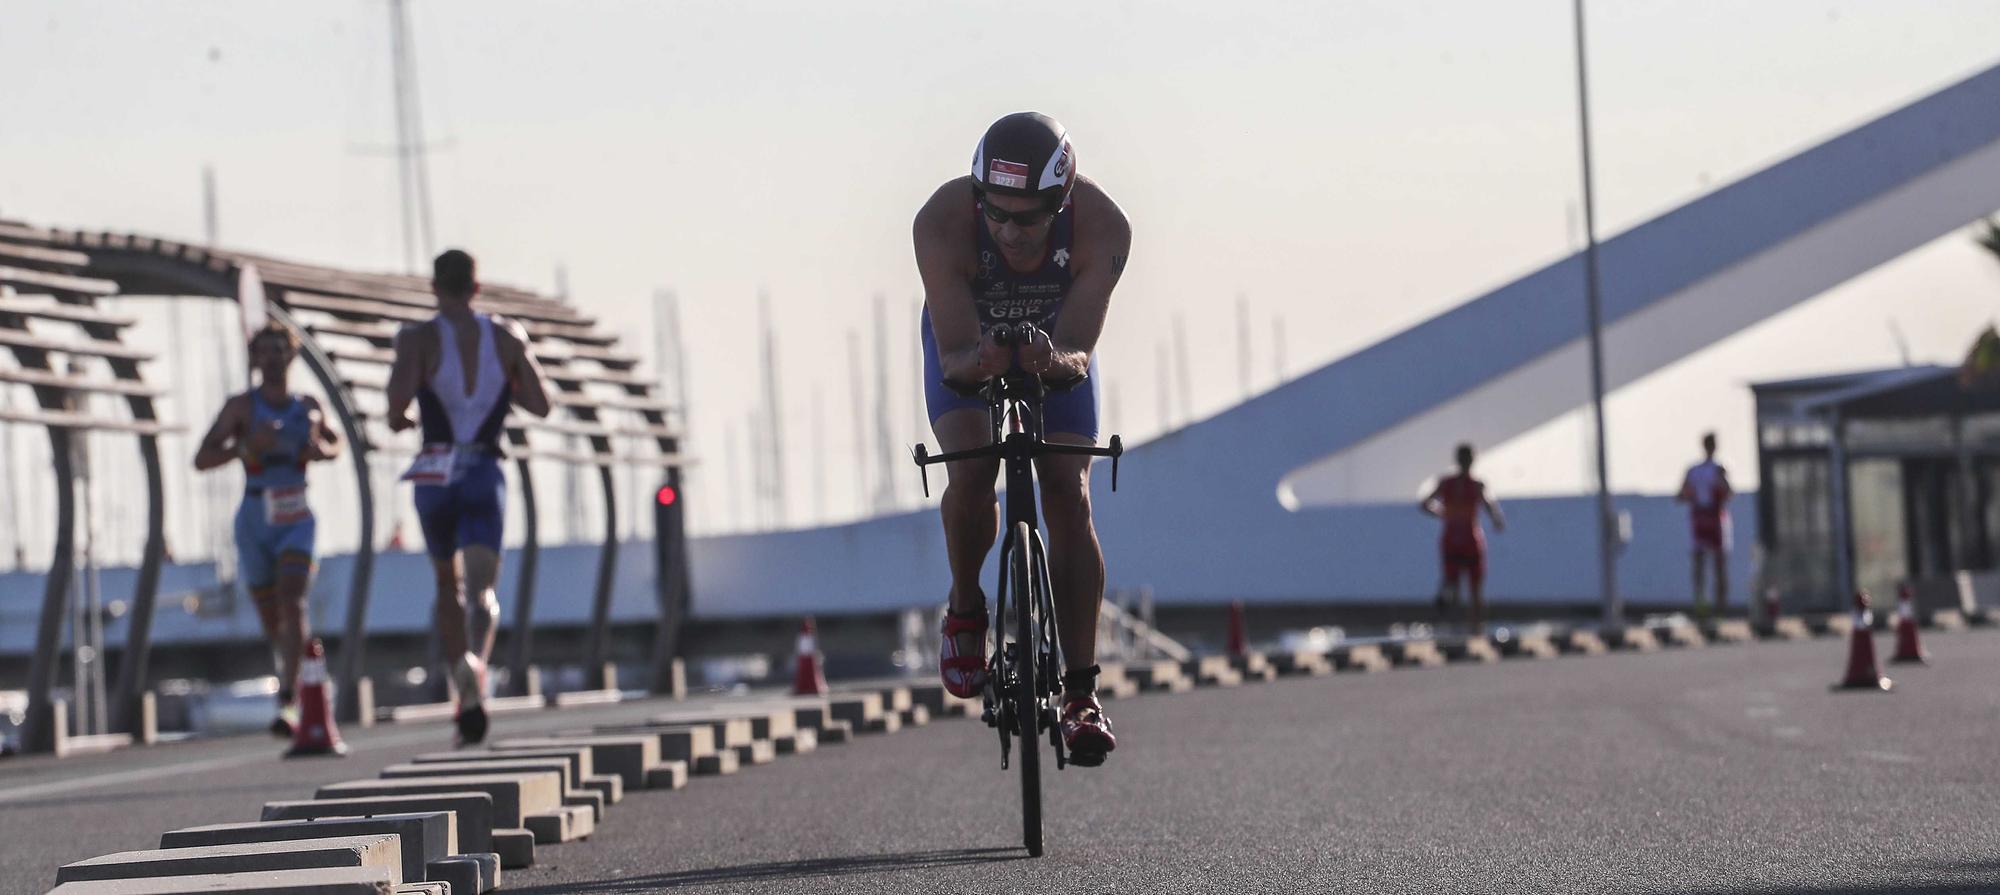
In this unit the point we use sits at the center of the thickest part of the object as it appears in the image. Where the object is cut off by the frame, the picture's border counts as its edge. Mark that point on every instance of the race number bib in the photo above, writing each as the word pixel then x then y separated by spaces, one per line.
pixel 433 466
pixel 286 506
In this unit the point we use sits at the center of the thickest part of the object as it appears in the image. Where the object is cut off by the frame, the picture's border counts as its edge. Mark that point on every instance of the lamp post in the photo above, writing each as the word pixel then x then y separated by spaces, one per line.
pixel 1606 523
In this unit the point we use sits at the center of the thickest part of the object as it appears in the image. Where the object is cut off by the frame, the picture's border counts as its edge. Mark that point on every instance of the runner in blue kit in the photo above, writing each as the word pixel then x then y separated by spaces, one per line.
pixel 1023 239
pixel 463 370
pixel 274 434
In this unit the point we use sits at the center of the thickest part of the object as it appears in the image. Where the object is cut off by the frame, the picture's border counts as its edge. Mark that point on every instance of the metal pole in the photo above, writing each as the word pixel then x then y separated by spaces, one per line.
pixel 1607 571
pixel 524 579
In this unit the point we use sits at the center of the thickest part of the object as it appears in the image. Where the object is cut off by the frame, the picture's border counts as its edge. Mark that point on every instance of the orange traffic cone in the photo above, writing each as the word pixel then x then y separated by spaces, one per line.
pixel 808 680
pixel 1238 648
pixel 1908 651
pixel 1862 671
pixel 315 734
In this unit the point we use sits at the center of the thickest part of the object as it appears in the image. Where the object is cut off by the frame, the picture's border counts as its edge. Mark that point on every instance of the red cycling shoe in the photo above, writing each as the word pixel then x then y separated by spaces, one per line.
pixel 964 675
pixel 1086 731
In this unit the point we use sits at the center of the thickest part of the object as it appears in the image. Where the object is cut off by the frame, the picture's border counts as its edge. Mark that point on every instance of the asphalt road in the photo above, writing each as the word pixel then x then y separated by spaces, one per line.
pixel 1729 769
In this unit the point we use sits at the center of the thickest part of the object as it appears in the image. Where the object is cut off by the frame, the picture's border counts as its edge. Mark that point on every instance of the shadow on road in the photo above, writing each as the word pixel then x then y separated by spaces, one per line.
pixel 783 870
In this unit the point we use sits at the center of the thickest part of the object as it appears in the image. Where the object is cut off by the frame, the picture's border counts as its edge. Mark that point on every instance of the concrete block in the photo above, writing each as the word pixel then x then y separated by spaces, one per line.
pixel 423 888
pixel 1677 635
pixel 930 695
pixel 514 795
pixel 572 794
pixel 915 716
pixel 628 756
pixel 668 775
pixel 316 881
pixel 836 732
pixel 1728 630
pixel 798 743
pixel 566 824
pixel 1157 674
pixel 1414 653
pixel 770 724
pixel 580 765
pixel 610 786
pixel 730 733
pixel 717 763
pixel 384 852
pixel 812 717
pixel 466 873
pixel 426 836
pixel 1253 665
pixel 1629 638
pixel 1361 657
pixel 515 846
pixel 896 698
pixel 857 709
pixel 1536 644
pixel 559 767
pixel 1211 671
pixel 1582 642
pixel 882 724
pixel 678 740
pixel 1945 620
pixel 472 812
pixel 1784 628
pixel 1469 649
pixel 760 751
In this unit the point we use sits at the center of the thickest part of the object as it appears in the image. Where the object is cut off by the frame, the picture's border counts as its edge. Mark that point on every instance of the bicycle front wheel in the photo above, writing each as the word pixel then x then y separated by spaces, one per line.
pixel 1026 696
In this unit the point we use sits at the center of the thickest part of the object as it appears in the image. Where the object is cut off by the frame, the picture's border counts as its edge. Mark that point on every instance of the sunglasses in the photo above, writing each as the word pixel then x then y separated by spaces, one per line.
pixel 1033 217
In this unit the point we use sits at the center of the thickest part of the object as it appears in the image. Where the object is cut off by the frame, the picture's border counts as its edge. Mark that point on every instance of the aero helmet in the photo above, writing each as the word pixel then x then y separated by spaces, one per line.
pixel 1026 154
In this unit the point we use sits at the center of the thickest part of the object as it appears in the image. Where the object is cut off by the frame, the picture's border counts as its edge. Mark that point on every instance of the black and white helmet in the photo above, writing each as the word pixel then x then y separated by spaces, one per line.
pixel 1026 154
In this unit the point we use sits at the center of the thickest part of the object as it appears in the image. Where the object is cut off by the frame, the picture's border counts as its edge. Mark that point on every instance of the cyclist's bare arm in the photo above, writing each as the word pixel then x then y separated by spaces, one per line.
pixel 1433 504
pixel 1102 242
pixel 219 446
pixel 412 362
pixel 945 262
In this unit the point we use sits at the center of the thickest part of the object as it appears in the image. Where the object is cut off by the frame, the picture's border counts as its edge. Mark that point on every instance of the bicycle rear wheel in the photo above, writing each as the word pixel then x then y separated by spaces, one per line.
pixel 1026 696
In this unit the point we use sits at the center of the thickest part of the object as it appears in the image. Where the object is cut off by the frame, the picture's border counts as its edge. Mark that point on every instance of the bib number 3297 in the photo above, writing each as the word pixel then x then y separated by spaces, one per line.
pixel 433 466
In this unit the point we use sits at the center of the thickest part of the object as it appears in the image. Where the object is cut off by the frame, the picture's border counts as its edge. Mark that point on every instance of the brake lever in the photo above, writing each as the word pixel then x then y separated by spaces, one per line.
pixel 920 453
pixel 1117 448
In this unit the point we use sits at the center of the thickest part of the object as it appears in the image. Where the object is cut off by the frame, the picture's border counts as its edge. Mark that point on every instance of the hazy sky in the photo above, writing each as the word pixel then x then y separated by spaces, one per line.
pixel 1351 167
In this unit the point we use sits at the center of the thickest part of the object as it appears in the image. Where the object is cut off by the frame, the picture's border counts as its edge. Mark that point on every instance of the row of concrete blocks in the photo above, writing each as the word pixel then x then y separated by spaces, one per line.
pixel 450 822
pixel 1528 642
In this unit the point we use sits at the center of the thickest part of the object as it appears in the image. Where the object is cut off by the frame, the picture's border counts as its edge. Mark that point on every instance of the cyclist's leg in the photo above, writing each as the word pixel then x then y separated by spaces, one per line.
pixel 970 509
pixel 1076 560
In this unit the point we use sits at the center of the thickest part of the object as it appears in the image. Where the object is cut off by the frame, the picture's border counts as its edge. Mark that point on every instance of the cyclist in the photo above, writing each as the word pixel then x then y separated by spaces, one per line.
pixel 463 370
pixel 1024 238
pixel 1705 489
pixel 1457 500
pixel 274 433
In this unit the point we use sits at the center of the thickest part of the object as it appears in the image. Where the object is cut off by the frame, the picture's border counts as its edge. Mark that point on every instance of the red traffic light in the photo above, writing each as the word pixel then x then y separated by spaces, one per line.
pixel 667 495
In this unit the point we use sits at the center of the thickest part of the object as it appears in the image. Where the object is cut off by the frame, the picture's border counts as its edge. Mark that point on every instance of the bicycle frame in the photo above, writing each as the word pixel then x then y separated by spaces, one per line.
pixel 1029 667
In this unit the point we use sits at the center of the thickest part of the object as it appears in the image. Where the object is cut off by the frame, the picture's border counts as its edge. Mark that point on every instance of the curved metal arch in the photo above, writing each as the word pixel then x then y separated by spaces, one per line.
pixel 524 579
pixel 39 733
pixel 127 695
